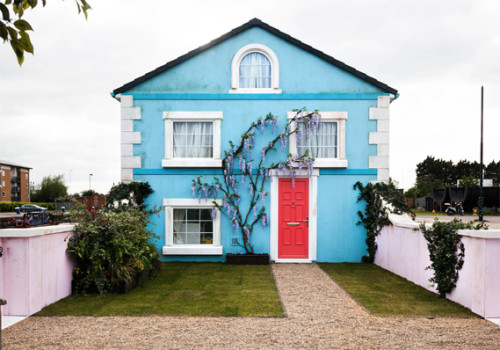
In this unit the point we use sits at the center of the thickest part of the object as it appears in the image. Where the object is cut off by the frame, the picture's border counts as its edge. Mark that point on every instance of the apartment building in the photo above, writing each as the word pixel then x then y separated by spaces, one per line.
pixel 14 182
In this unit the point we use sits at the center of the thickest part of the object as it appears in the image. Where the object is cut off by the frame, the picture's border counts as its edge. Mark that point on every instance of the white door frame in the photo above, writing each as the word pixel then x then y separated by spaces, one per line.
pixel 274 217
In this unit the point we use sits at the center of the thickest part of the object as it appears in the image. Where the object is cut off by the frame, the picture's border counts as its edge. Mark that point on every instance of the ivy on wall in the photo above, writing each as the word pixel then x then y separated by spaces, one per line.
pixel 446 252
pixel 376 214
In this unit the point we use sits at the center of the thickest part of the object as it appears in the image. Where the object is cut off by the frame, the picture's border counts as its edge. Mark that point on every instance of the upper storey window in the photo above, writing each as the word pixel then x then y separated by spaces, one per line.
pixel 255 69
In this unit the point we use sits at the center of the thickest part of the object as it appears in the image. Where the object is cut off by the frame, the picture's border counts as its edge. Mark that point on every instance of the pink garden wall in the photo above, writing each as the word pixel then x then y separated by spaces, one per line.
pixel 404 252
pixel 35 270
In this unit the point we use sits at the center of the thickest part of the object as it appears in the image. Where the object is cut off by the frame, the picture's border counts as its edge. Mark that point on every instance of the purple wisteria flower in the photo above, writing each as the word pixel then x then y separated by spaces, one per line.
pixel 255 207
pixel 249 168
pixel 216 190
pixel 193 189
pixel 281 166
pixel 262 197
pixel 262 126
pixel 310 167
pixel 300 164
pixel 293 178
pixel 246 144
pixel 264 220
pixel 250 189
pixel 205 192
pixel 298 134
pixel 263 156
pixel 283 141
pixel 214 213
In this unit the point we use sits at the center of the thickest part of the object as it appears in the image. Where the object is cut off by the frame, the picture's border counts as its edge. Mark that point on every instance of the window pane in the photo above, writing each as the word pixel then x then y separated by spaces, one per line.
pixel 321 143
pixel 193 226
pixel 193 214
pixel 193 139
pixel 255 71
pixel 206 214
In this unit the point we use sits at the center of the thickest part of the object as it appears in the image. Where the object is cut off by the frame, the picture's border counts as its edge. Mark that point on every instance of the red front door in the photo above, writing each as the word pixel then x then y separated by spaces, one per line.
pixel 293 230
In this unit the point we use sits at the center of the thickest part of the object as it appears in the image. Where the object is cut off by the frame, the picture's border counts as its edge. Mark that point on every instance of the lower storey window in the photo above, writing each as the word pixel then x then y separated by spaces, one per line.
pixel 193 226
pixel 190 228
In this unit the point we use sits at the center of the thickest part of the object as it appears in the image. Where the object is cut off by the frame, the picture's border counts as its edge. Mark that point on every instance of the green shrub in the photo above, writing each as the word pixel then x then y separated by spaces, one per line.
pixel 375 215
pixel 446 252
pixel 11 206
pixel 111 247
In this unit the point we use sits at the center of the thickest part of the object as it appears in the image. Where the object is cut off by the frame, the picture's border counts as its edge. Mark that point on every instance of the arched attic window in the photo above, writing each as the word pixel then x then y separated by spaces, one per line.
pixel 255 69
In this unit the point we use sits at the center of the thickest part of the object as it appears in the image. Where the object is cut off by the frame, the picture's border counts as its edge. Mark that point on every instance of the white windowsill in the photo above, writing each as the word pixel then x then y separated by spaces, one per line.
pixel 191 163
pixel 192 249
pixel 255 91
pixel 330 163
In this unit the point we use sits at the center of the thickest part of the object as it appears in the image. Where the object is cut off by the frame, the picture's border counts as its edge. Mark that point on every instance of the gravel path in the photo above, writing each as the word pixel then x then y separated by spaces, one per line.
pixel 320 316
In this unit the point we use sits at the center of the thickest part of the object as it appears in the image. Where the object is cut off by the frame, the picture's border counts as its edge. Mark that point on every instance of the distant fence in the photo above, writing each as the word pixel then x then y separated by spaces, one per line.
pixel 467 196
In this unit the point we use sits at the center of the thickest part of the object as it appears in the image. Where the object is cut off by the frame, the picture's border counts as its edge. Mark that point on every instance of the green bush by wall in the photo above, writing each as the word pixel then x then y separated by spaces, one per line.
pixel 11 206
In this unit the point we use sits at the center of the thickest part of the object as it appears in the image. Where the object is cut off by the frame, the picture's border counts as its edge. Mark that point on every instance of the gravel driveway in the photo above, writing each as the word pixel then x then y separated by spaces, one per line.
pixel 320 316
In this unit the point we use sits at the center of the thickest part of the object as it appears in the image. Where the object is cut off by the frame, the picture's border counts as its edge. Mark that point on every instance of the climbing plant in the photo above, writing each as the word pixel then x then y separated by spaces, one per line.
pixel 251 174
pixel 376 214
pixel 446 252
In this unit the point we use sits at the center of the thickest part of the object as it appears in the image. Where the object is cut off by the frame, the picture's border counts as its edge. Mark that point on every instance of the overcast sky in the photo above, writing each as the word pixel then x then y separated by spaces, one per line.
pixel 57 115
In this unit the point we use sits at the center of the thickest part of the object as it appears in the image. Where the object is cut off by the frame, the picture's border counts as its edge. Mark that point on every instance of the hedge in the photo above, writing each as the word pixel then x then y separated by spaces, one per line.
pixel 11 206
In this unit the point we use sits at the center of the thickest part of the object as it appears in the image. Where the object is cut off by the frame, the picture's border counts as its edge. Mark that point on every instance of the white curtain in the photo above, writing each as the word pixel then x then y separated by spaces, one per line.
pixel 179 226
pixel 321 143
pixel 193 140
pixel 255 71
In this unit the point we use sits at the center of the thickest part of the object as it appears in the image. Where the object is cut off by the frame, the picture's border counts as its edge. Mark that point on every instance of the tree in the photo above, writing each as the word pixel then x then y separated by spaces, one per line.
pixel 437 169
pixel 244 216
pixel 468 181
pixel 14 29
pixel 52 188
pixel 88 193
pixel 492 171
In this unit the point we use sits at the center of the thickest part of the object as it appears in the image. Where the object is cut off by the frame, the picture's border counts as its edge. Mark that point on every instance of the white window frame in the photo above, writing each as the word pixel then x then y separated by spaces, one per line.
pixel 3 183
pixel 190 249
pixel 275 70
pixel 340 118
pixel 179 116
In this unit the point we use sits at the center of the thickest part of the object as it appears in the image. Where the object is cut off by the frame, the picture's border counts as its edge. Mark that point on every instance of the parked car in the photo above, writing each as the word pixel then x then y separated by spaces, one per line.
pixel 28 208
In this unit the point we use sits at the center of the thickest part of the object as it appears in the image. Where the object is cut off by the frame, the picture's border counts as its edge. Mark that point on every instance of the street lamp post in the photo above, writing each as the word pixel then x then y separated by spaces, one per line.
pixel 481 174
pixel 90 181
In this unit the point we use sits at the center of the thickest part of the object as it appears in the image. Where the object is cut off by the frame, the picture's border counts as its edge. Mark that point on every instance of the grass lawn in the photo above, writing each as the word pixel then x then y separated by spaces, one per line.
pixel 386 294
pixel 204 289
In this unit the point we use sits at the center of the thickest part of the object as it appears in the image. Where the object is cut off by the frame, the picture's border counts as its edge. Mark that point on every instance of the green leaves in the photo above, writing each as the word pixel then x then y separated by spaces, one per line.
pixel 5 12
pixel 375 216
pixel 22 25
pixel 15 32
pixel 446 252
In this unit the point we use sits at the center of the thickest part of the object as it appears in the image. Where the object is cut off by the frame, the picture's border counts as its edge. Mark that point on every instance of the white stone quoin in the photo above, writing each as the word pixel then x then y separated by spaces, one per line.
pixel 129 137
pixel 380 138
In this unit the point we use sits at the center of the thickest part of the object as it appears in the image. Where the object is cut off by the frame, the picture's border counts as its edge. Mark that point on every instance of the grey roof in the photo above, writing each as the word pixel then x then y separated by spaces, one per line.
pixel 256 23
pixel 8 163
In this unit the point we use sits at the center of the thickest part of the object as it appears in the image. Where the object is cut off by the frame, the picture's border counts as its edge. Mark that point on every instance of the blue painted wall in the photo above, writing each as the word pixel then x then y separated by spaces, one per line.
pixel 306 81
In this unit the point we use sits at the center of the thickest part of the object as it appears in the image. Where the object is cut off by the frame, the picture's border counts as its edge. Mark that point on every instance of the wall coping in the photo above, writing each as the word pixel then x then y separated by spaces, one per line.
pixel 34 231
pixel 405 221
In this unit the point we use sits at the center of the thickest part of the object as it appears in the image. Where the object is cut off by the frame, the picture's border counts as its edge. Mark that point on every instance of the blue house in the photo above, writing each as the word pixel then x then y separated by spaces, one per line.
pixel 177 121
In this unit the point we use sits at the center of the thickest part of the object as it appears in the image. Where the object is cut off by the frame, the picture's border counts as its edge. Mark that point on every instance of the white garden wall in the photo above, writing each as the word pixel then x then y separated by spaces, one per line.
pixel 403 251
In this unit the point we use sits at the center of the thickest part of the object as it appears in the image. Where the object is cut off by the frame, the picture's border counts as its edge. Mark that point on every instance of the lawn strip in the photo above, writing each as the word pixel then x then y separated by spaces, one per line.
pixel 196 289
pixel 385 294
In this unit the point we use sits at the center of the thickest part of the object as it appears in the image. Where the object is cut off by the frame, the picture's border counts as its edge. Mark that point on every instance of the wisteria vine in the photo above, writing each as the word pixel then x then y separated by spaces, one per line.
pixel 242 155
